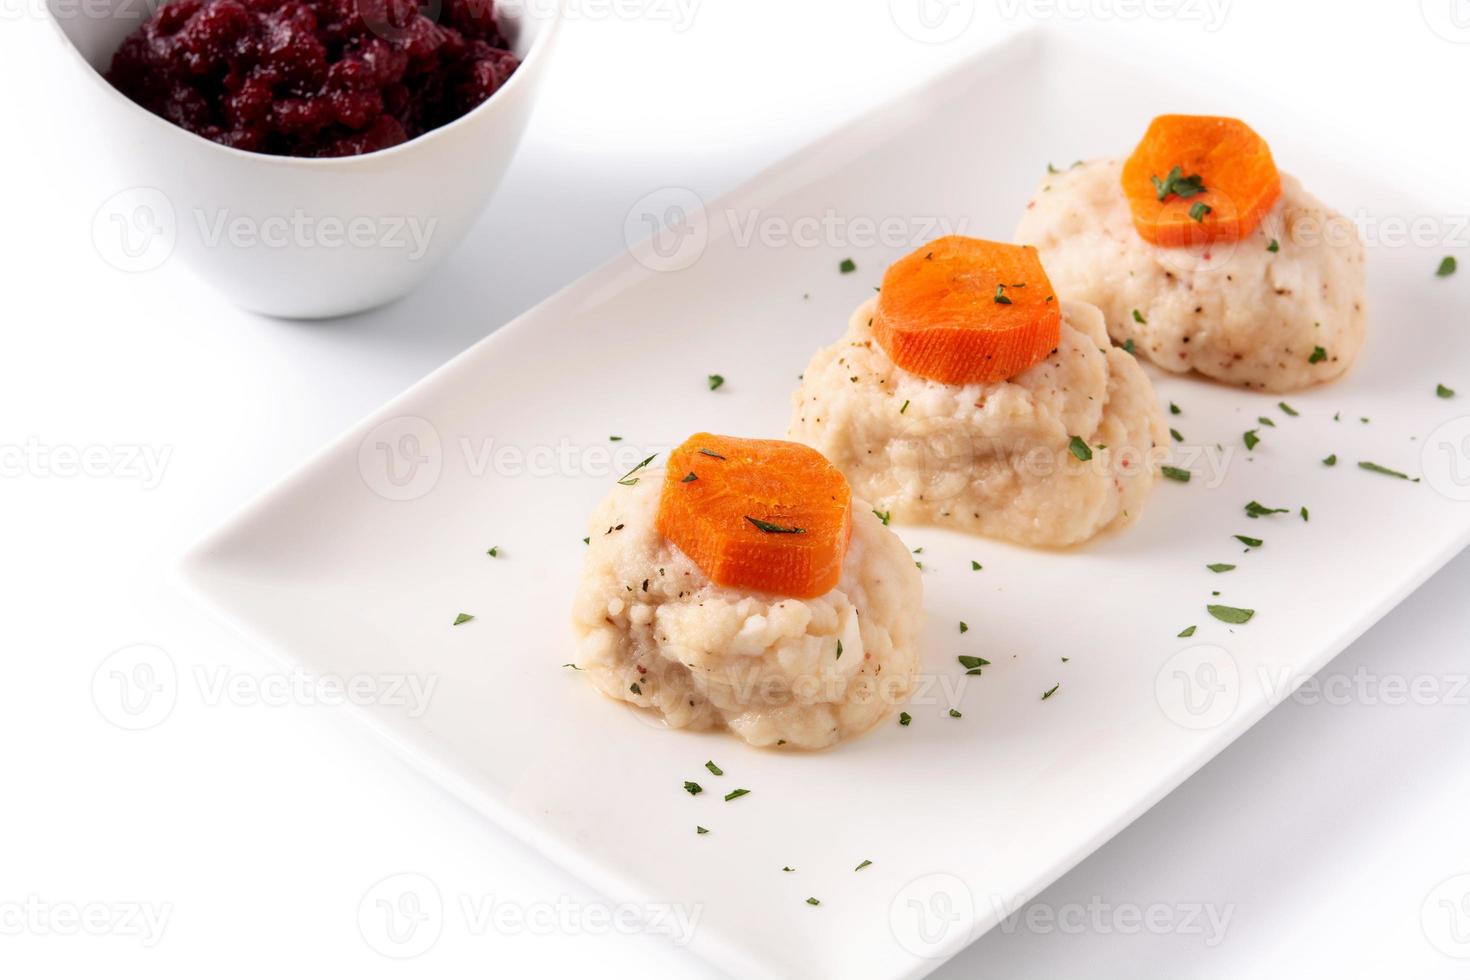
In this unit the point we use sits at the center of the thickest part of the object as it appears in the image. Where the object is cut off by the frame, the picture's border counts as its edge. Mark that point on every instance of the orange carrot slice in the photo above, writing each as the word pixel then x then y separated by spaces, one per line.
pixel 758 514
pixel 1199 179
pixel 961 310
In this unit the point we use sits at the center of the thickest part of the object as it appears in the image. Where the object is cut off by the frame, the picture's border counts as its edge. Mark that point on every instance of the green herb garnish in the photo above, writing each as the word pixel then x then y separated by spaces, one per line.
pixel 462 618
pixel 1249 542
pixel 1199 211
pixel 1138 317
pixel 883 516
pixel 862 866
pixel 955 714
pixel 1187 631
pixel 710 453
pixel 1288 409
pixel 689 478
pixel 693 789
pixel 1177 183
pixel 1251 439
pixel 1444 392
pixel 735 794
pixel 715 380
pixel 1000 295
pixel 904 718
pixel 813 901
pixel 1047 694
pixel 1080 449
pixel 1275 246
pixel 770 528
pixel 1175 409
pixel 1230 614
pixel 494 552
pixel 700 830
pixel 1318 354
pixel 846 266
pixel 629 479
pixel 1375 468
pixel 1254 510
pixel 1218 567
pixel 1175 473
pixel 1447 266
pixel 1330 460
pixel 714 768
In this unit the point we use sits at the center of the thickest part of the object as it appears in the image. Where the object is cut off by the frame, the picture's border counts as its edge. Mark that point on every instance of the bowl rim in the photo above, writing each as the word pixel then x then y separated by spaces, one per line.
pixel 551 24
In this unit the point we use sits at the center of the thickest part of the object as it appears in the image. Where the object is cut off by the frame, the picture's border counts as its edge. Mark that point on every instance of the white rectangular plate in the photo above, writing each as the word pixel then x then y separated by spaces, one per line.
pixel 964 818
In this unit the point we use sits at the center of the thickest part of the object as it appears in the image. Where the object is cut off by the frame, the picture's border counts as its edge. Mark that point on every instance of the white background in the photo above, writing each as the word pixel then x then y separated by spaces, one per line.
pixel 259 828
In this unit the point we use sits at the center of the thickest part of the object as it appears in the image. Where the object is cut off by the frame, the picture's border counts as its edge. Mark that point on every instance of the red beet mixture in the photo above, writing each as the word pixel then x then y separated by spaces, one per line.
pixel 313 78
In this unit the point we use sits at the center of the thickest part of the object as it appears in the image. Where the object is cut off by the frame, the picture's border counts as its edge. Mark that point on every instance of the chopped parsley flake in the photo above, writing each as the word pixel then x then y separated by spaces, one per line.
pixel 972 663
pixel 905 407
pixel 1176 183
pixel 846 266
pixel 714 768
pixel 964 627
pixel 1251 439
pixel 1138 317
pixel 1330 460
pixel 1249 542
pixel 1000 295
pixel 1175 473
pixel 1254 510
pixel 462 618
pixel 904 718
pixel 1230 614
pixel 494 552
pixel 1176 435
pixel 863 865
pixel 770 528
pixel 955 714
pixel 573 666
pixel 1444 392
pixel 735 794
pixel 700 830
pixel 975 566
pixel 689 478
pixel 629 479
pixel 1265 421
pixel 813 901
pixel 1275 246
pixel 635 688
pixel 883 516
pixel 693 789
pixel 1447 266
pixel 1047 694
pixel 1305 516
pixel 839 651
pixel 1175 409
pixel 1187 631
pixel 1318 354
pixel 1128 345
pixel 1288 409
pixel 1199 211
pixel 1080 449
pixel 715 380
pixel 710 453
pixel 1218 567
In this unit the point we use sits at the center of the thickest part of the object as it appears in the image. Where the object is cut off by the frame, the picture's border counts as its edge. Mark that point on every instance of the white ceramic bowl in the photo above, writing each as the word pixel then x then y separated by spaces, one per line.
pixel 289 236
